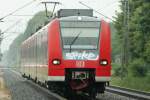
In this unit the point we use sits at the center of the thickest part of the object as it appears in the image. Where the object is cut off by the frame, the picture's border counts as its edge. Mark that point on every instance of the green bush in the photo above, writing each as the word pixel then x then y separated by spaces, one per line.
pixel 138 68
pixel 115 69
pixel 130 82
pixel 118 70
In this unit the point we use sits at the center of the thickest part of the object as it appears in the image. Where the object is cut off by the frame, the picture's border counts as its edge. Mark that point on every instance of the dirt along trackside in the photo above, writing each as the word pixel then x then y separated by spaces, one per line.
pixel 4 92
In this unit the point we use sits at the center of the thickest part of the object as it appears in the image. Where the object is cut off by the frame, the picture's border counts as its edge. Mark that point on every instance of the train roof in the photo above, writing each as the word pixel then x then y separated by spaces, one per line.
pixel 74 12
pixel 79 18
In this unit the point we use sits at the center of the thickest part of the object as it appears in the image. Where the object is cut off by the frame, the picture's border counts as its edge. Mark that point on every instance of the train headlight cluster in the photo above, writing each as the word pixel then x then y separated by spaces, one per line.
pixel 104 62
pixel 56 62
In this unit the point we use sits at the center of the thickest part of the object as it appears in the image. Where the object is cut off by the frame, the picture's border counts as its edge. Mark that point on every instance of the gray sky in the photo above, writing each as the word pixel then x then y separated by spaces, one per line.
pixel 107 7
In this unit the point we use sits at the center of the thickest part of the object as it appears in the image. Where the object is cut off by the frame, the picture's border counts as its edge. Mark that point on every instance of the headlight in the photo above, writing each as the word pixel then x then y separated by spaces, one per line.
pixel 103 62
pixel 56 62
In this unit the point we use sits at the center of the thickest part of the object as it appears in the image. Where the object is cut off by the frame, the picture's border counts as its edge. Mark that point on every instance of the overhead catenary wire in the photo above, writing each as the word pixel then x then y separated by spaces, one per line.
pixel 95 10
pixel 25 15
pixel 45 3
pixel 11 13
pixel 10 34
pixel 108 5
pixel 10 27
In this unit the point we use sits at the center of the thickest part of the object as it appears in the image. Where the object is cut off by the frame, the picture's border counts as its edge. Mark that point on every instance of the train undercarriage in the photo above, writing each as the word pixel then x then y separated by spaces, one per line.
pixel 77 81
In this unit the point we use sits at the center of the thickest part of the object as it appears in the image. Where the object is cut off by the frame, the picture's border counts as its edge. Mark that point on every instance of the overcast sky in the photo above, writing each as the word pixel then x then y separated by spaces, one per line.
pixel 18 24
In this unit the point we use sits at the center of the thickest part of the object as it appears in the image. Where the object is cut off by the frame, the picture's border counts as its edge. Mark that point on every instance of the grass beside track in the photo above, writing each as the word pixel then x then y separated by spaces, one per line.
pixel 138 83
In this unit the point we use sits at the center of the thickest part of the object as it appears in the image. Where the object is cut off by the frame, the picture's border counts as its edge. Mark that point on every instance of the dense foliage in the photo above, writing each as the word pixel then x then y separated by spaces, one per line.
pixel 139 35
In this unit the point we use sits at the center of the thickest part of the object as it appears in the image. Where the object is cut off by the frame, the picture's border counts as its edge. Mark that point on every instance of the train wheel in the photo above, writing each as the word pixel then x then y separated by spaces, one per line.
pixel 39 82
pixel 29 77
pixel 92 93
pixel 35 80
pixel 23 75
pixel 69 93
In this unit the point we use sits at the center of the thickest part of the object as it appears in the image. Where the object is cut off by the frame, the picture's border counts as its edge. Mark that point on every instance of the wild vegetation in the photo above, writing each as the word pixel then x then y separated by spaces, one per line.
pixel 138 68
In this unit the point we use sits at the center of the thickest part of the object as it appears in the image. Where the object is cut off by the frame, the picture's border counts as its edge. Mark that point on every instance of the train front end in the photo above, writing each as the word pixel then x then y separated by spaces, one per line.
pixel 79 53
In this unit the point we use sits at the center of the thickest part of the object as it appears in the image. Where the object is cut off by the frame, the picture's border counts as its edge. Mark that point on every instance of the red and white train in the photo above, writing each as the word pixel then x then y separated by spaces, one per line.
pixel 72 53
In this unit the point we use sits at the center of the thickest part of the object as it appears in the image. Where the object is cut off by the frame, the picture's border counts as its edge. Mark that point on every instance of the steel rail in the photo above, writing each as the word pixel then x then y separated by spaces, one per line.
pixel 129 92
pixel 111 89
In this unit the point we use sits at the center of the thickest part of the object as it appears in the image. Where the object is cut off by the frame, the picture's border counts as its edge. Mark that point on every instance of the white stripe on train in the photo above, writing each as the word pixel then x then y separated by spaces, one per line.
pixel 62 78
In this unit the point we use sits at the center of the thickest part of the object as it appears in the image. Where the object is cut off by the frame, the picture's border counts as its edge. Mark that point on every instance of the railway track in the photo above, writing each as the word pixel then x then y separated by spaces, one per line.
pixel 112 93
pixel 120 91
pixel 47 92
pixel 128 92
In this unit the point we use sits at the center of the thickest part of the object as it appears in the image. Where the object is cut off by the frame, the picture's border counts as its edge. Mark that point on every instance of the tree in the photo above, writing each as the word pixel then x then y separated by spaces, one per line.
pixel 139 32
pixel 37 21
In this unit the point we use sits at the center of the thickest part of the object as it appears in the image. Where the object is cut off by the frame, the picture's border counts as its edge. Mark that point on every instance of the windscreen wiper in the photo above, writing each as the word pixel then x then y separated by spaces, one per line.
pixel 74 40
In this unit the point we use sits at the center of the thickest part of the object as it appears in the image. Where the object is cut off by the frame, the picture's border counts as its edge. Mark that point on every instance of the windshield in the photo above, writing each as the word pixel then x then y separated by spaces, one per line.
pixel 80 39
pixel 80 34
